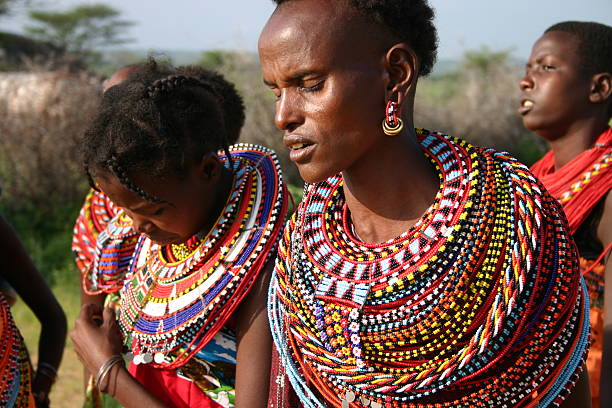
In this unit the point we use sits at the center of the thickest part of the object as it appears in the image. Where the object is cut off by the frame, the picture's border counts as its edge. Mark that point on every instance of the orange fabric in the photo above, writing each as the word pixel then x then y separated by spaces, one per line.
pixel 596 297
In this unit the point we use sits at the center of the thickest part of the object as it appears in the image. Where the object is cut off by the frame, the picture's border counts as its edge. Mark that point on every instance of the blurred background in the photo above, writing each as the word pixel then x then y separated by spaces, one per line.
pixel 55 54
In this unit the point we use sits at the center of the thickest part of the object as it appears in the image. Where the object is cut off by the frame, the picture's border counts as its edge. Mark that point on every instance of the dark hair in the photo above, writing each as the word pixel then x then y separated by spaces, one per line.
pixel 162 120
pixel 594 45
pixel 410 20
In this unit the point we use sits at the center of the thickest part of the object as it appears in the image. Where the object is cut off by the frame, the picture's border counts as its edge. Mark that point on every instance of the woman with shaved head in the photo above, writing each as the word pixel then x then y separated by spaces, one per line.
pixel 419 270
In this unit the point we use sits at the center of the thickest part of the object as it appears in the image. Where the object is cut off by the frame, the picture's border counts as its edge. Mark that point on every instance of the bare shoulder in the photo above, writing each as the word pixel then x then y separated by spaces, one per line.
pixel 604 229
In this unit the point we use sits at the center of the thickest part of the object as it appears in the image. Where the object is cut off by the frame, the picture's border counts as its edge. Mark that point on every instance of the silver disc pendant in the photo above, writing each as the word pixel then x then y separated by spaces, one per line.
pixel 364 401
pixel 349 396
pixel 147 358
pixel 159 358
pixel 129 356
pixel 376 405
pixel 137 359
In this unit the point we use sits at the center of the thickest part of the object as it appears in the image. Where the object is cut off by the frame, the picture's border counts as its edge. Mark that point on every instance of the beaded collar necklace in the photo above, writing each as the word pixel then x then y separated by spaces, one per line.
pixel 468 304
pixel 170 308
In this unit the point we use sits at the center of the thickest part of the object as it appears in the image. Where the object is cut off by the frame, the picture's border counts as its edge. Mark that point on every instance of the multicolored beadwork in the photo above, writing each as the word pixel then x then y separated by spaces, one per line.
pixel 481 303
pixel 15 368
pixel 95 214
pixel 172 306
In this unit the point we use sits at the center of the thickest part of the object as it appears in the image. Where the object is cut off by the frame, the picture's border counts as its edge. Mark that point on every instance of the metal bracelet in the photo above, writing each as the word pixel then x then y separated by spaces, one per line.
pixel 105 369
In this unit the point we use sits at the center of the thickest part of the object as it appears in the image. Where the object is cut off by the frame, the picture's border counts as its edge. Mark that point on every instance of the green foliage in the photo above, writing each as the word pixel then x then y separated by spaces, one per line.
pixel 6 6
pixel 484 60
pixel 80 30
pixel 221 60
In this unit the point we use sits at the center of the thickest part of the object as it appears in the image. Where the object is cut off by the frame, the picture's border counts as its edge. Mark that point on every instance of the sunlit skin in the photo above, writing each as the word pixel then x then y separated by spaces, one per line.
pixel 559 102
pixel 192 203
pixel 119 76
pixel 570 109
pixel 332 72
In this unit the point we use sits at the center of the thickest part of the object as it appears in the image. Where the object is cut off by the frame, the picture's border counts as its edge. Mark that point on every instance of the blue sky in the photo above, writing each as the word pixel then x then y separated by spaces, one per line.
pixel 235 24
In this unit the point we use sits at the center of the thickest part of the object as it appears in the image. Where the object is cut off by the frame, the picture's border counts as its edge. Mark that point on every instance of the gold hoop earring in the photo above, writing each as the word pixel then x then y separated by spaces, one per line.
pixel 393 130
pixel 392 124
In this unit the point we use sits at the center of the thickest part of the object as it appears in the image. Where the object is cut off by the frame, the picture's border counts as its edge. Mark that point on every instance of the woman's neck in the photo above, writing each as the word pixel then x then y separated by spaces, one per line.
pixel 388 191
pixel 223 190
pixel 576 140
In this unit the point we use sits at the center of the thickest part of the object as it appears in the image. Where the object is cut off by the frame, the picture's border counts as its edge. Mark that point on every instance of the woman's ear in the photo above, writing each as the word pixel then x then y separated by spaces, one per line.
pixel 601 88
pixel 402 67
pixel 209 168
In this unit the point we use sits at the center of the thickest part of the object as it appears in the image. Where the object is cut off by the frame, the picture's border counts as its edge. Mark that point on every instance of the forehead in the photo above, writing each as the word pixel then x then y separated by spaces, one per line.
pixel 317 31
pixel 559 44
pixel 166 188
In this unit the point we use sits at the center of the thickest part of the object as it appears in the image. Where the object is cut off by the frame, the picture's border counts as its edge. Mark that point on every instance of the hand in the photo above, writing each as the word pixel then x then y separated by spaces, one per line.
pixel 96 336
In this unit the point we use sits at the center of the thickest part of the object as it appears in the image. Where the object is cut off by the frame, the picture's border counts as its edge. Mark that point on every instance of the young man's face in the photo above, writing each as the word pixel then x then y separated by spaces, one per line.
pixel 555 91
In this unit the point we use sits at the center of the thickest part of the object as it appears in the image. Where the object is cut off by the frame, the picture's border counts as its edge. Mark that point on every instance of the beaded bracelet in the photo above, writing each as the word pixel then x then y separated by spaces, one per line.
pixel 47 370
pixel 105 369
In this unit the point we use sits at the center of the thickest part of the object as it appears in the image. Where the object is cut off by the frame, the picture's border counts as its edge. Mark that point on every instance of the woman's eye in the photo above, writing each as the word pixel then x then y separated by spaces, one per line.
pixel 158 212
pixel 548 67
pixel 312 88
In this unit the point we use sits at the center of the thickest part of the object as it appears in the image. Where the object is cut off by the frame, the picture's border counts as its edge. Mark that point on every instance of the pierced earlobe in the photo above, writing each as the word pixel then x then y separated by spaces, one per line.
pixel 392 123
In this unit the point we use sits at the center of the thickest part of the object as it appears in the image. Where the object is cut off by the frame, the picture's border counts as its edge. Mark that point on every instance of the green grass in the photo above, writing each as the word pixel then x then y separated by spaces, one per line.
pixel 67 391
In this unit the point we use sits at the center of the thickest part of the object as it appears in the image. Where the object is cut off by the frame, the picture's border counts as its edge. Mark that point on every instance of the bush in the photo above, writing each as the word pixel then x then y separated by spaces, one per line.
pixel 479 103
pixel 44 116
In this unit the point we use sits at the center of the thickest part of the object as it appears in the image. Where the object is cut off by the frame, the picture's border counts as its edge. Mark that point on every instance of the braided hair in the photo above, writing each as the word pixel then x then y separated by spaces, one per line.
pixel 162 121
pixel 594 46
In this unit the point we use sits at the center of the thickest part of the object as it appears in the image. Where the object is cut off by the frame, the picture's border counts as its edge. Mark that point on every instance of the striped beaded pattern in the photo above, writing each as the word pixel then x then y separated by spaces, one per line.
pixel 15 375
pixel 587 177
pixel 478 304
pixel 170 308
pixel 96 212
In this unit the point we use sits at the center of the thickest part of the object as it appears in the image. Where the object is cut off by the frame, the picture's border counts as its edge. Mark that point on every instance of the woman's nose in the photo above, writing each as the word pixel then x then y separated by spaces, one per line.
pixel 288 113
pixel 526 82
pixel 142 225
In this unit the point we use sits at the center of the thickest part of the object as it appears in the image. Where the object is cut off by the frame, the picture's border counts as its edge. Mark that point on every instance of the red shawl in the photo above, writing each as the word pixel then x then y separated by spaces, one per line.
pixel 581 183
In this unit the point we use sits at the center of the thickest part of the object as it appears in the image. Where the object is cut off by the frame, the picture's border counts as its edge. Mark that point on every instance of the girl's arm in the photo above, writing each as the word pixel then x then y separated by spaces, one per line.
pixel 254 344
pixel 87 299
pixel 23 276
pixel 95 344
pixel 604 233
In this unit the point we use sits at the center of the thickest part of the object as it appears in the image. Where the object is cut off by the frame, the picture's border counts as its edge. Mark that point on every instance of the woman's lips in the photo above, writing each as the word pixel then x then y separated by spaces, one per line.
pixel 301 152
pixel 526 106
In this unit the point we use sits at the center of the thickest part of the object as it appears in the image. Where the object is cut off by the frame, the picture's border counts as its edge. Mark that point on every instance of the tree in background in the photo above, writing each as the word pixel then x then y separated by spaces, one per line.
pixel 6 5
pixel 80 30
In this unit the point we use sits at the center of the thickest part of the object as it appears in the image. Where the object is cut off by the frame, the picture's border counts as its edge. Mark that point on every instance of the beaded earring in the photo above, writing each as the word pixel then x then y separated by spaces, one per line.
pixel 392 124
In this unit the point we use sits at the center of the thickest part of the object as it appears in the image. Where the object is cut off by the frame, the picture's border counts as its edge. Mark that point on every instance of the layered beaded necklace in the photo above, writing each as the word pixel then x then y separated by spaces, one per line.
pixel 479 304
pixel 175 298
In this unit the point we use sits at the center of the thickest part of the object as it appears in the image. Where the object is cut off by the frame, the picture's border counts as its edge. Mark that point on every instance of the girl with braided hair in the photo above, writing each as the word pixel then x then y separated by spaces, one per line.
pixel 195 221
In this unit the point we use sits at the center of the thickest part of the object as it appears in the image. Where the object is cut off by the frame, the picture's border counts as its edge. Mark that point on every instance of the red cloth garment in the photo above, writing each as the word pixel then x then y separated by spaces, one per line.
pixel 581 183
pixel 170 388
